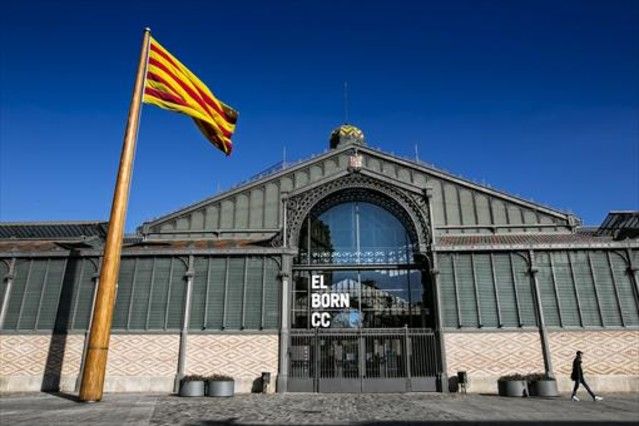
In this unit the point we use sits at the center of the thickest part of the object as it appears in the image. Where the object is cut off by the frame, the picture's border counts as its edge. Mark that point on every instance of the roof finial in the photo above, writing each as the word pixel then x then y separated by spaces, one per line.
pixel 345 102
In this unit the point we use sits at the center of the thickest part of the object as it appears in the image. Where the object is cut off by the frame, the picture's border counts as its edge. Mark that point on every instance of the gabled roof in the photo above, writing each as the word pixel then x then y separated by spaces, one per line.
pixel 259 179
pixel 275 174
pixel 468 183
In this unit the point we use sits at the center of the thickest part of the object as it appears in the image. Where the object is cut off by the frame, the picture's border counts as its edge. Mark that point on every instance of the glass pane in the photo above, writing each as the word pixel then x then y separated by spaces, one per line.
pixel 355 232
pixel 345 311
pixel 380 230
pixel 353 299
pixel 392 298
pixel 300 291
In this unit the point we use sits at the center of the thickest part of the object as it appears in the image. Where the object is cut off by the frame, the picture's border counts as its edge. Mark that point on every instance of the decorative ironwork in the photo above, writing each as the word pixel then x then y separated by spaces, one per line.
pixel 410 208
pixel 373 360
pixel 378 256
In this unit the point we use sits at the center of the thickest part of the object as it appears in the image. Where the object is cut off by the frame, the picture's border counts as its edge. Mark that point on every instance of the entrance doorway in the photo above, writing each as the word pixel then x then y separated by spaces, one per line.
pixel 365 360
pixel 382 340
pixel 362 312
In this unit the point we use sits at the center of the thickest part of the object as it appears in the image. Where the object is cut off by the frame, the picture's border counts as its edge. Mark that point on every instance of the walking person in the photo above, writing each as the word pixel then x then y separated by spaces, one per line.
pixel 578 376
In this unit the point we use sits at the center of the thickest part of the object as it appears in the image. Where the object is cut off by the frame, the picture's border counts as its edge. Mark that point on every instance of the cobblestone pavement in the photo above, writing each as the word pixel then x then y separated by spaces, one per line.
pixel 330 409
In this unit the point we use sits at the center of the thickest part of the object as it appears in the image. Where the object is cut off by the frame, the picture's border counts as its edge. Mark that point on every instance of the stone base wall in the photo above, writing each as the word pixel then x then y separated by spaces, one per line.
pixel 606 353
pixel 142 363
pixel 148 362
pixel 136 362
pixel 611 358
pixel 490 354
pixel 244 357
pixel 39 362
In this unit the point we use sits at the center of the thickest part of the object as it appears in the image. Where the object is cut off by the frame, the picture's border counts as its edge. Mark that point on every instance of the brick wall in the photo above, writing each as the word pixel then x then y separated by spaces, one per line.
pixel 493 354
pixel 611 360
pixel 136 362
pixel 244 357
pixel 24 360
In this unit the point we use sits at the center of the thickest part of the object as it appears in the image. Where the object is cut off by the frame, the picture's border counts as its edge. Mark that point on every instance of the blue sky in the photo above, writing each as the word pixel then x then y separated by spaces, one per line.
pixel 540 98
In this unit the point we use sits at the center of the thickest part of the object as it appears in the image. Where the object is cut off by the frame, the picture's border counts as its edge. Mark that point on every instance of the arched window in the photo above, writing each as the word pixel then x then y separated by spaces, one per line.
pixel 363 252
pixel 354 232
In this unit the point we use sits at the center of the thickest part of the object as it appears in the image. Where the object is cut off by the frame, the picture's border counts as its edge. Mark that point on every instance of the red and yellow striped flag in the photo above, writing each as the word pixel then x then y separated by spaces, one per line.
pixel 170 85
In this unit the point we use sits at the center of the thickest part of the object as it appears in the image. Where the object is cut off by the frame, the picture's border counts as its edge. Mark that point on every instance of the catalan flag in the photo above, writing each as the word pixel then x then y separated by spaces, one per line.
pixel 170 85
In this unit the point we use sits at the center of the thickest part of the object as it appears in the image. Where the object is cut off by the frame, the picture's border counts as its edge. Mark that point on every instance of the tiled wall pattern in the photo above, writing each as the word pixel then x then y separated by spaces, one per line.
pixel 134 358
pixel 611 360
pixel 32 355
pixel 234 355
pixel 605 352
pixel 147 355
pixel 137 362
pixel 493 354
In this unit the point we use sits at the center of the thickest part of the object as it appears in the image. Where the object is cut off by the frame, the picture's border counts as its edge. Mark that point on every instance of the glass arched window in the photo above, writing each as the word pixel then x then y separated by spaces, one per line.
pixel 355 232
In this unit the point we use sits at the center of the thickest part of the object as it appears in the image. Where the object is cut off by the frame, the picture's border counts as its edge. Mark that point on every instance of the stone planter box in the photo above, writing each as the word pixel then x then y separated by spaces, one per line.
pixel 192 388
pixel 220 388
pixel 513 388
pixel 543 388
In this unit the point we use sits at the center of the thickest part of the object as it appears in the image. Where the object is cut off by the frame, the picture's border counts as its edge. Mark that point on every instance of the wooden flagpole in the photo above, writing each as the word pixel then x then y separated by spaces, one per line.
pixel 92 385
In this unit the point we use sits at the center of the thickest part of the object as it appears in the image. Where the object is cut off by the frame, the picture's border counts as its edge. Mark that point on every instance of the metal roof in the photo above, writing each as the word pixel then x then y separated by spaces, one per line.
pixel 53 230
pixel 283 168
pixel 521 239
pixel 31 246
pixel 197 244
pixel 620 225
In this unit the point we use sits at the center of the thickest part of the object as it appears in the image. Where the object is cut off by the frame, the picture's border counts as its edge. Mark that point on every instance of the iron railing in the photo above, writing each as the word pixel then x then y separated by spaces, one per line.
pixel 363 360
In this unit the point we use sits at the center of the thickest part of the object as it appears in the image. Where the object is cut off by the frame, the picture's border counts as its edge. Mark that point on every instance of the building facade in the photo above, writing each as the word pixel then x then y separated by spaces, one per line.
pixel 353 271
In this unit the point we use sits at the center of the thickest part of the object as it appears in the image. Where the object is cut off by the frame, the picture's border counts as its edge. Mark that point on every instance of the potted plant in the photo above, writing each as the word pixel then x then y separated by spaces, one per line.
pixel 192 385
pixel 540 384
pixel 220 385
pixel 512 385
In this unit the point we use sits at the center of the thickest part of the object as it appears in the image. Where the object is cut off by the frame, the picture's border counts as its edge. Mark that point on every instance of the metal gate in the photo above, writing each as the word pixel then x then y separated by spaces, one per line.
pixel 364 360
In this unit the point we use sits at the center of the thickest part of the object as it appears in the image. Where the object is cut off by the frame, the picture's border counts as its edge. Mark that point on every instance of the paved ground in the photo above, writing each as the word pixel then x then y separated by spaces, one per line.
pixel 331 409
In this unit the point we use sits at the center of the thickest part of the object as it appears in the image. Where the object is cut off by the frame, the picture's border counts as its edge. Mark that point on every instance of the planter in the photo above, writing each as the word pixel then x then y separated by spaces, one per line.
pixel 513 388
pixel 543 388
pixel 192 388
pixel 220 388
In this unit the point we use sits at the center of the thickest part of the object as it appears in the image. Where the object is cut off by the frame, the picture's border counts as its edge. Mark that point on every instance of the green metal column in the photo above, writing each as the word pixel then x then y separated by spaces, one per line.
pixel 434 272
pixel 543 335
pixel 633 271
pixel 185 324
pixel 285 276
pixel 7 291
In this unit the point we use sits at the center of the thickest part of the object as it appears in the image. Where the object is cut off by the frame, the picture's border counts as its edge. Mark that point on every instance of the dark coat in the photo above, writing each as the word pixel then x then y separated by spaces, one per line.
pixel 577 373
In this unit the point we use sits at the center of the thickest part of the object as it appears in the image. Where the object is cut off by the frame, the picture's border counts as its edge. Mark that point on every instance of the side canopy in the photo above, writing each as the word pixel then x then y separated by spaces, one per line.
pixel 253 210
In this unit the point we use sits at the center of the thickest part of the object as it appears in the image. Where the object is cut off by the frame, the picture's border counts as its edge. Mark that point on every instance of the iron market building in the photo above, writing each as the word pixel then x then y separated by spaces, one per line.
pixel 353 271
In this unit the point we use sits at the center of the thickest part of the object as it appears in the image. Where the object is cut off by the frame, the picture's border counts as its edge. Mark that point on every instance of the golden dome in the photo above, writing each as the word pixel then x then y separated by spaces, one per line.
pixel 346 134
